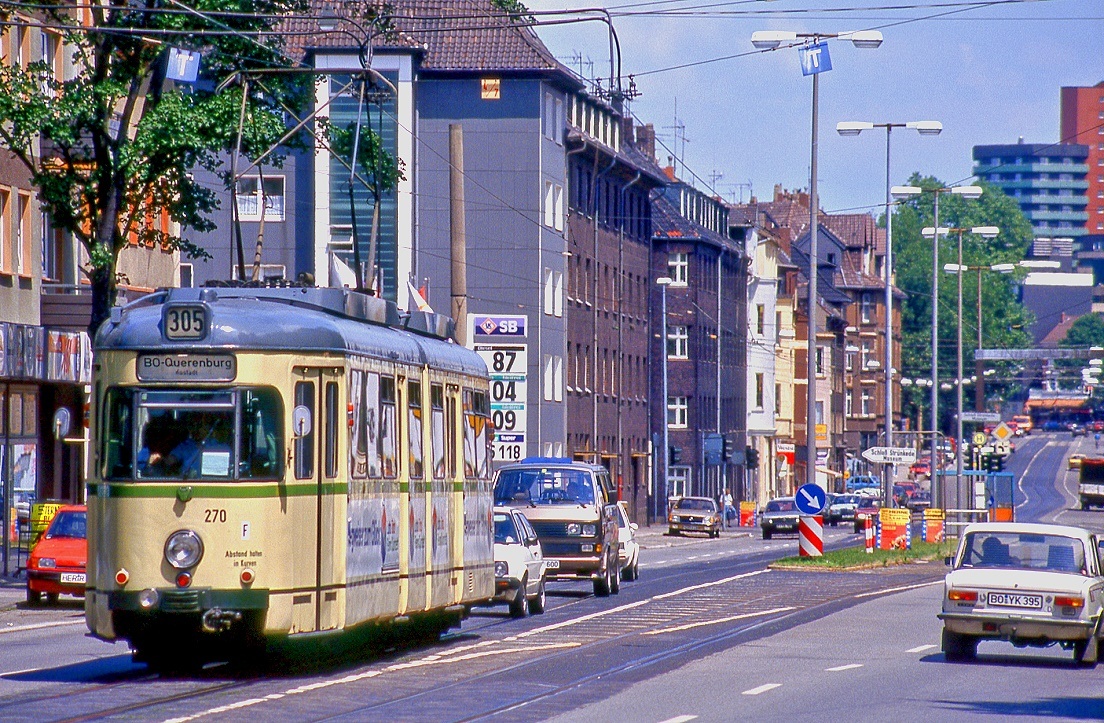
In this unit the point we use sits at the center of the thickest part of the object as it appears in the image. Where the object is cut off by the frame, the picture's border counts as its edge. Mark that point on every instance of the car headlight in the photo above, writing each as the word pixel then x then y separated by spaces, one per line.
pixel 590 530
pixel 574 528
pixel 502 569
pixel 183 549
pixel 47 562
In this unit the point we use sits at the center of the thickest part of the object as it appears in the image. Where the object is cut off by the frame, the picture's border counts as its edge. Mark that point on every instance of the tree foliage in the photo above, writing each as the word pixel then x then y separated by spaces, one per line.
pixel 111 147
pixel 1087 331
pixel 1004 321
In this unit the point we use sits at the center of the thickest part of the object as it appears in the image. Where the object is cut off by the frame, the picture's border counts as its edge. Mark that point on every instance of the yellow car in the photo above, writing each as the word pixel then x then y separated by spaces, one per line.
pixel 1075 460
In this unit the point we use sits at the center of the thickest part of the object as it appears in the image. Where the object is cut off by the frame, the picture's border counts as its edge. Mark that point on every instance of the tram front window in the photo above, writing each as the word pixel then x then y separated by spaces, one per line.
pixel 233 434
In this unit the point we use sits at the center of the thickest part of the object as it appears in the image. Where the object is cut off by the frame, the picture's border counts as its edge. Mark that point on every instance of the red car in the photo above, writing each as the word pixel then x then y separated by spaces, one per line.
pixel 58 562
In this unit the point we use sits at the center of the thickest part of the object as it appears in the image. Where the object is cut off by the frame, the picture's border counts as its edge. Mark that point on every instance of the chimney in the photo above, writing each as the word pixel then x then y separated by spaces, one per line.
pixel 627 130
pixel 778 193
pixel 669 170
pixel 645 140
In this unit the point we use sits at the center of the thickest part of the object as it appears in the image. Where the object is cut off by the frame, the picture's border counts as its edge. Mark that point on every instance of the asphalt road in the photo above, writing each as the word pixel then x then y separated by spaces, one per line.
pixel 707 631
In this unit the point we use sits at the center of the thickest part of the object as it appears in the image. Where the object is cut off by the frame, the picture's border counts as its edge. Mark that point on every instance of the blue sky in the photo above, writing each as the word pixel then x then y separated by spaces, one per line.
pixel 989 74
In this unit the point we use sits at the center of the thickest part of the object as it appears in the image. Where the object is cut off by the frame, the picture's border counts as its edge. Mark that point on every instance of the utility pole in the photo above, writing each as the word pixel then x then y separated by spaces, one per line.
pixel 457 233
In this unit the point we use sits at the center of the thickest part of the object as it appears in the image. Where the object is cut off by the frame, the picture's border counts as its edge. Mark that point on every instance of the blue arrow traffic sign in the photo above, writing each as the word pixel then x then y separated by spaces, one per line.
pixel 810 499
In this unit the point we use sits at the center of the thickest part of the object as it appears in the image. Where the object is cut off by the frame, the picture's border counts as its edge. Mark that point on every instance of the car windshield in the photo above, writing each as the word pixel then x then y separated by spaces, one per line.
pixel 692 504
pixel 69 524
pixel 1023 550
pixel 780 506
pixel 846 500
pixel 544 486
pixel 506 532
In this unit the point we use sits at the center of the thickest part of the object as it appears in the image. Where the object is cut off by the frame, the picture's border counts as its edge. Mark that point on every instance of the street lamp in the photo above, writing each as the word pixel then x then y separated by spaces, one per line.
pixel 815 59
pixel 987 232
pixel 968 192
pixel 664 282
pixel 924 128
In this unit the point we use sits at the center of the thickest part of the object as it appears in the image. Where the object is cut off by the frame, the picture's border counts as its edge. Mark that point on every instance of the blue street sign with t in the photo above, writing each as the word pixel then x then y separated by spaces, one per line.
pixel 814 58
pixel 183 65
pixel 810 499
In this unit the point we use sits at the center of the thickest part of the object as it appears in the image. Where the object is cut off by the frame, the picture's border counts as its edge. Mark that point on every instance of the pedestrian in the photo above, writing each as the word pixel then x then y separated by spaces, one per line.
pixel 726 505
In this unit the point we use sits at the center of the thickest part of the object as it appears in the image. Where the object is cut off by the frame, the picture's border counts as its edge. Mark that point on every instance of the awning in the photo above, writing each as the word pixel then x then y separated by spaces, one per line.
pixel 1056 404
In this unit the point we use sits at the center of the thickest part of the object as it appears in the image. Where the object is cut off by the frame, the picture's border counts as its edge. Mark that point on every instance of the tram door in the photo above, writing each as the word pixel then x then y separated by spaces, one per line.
pixel 317 398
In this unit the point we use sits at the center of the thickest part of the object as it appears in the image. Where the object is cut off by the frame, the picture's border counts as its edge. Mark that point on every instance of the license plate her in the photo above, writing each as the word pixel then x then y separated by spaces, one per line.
pixel 552 564
pixel 1010 600
pixel 76 578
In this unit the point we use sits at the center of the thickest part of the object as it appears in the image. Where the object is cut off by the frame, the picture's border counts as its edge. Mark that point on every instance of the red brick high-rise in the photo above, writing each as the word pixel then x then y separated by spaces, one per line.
pixel 1083 122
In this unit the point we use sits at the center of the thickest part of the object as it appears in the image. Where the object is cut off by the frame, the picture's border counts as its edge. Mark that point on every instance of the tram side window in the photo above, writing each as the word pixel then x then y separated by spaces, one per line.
pixel 304 444
pixel 482 450
pixel 470 423
pixel 414 403
pixel 331 429
pixel 388 446
pixel 437 402
pixel 364 446
pixel 452 415
pixel 262 434
pixel 118 439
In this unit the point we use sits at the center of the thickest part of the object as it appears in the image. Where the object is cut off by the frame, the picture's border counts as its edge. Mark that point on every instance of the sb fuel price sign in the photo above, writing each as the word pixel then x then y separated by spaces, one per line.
pixel 500 342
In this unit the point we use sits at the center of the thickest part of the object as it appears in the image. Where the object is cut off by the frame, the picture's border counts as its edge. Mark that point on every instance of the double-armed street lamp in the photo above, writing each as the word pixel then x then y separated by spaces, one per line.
pixel 815 59
pixel 987 232
pixel 854 128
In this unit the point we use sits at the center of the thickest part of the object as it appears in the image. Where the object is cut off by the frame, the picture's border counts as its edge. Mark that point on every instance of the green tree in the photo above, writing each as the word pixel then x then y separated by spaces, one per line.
pixel 1087 331
pixel 1004 321
pixel 114 145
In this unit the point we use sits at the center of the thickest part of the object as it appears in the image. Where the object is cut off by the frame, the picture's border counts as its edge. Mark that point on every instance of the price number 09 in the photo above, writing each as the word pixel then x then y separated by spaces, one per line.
pixel 504 421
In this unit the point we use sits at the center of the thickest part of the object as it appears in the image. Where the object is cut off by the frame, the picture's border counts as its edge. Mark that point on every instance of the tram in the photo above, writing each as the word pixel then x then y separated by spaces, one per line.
pixel 281 462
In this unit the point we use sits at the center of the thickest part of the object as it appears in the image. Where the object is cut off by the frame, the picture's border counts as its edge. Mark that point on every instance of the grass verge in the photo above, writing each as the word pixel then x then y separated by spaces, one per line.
pixel 857 558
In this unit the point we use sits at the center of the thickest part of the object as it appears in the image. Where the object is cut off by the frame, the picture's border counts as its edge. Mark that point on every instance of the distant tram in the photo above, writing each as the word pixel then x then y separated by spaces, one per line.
pixel 270 462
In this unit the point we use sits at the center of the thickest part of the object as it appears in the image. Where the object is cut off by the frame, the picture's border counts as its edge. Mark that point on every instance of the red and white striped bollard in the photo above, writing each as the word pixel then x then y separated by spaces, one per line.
pixel 810 535
pixel 868 528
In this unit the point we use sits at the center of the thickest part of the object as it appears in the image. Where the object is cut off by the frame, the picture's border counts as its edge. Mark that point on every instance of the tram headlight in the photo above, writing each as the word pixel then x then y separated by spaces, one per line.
pixel 147 599
pixel 183 549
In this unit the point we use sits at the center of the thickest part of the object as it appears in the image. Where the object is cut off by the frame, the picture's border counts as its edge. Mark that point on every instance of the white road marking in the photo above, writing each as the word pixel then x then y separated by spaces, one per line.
pixel 718 621
pixel 920 648
pixel 680 719
pixel 898 589
pixel 841 668
pixel 681 591
pixel 1025 472
pixel 762 689
pixel 40 626
pixel 576 621
pixel 21 672
pixel 693 557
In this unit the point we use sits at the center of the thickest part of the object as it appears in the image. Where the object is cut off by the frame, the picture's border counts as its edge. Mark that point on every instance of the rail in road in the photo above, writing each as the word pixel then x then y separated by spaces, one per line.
pixel 495 666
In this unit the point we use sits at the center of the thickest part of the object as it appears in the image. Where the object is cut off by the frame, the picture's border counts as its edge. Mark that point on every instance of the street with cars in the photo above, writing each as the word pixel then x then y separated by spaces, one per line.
pixel 707 630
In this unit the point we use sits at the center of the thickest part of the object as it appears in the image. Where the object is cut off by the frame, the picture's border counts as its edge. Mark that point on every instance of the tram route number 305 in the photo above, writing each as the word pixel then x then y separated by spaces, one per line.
pixel 185 322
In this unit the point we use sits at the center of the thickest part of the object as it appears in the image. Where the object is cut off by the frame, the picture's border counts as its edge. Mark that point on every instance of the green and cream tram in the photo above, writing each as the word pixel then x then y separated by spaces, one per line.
pixel 279 461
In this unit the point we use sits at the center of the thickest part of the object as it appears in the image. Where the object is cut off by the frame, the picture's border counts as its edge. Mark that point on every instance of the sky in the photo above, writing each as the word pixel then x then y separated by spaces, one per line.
pixel 991 72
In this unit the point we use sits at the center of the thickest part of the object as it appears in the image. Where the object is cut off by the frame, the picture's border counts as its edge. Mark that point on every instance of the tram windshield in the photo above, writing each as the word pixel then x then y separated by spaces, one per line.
pixel 176 434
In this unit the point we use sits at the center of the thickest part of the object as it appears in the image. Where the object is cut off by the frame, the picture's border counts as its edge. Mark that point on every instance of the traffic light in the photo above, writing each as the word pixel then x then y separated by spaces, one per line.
pixel 994 463
pixel 676 455
pixel 729 448
pixel 751 454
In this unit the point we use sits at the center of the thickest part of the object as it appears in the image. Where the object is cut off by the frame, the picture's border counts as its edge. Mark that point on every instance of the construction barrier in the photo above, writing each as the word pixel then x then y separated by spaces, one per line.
pixel 933 525
pixel 810 535
pixel 747 514
pixel 868 529
pixel 895 524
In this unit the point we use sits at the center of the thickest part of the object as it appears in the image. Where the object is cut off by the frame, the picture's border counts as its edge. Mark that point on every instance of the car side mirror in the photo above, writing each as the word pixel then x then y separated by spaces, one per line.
pixel 633 526
pixel 948 560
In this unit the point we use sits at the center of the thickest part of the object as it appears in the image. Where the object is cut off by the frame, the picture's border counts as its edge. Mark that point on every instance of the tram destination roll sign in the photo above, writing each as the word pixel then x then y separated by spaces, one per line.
pixel 186 367
pixel 500 341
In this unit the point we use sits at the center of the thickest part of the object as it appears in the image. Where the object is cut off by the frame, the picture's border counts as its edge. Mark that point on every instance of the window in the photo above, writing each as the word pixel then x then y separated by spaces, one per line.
pixel 553 378
pixel 332 429
pixel 848 402
pixel 5 231
pixel 760 319
pixel 678 268
pixel 777 398
pixel 819 412
pixel 187 276
pixel 249 198
pixel 23 235
pixel 414 425
pixel 849 359
pixel 678 342
pixel 677 412
pixel 821 360
pixel 558 219
pixel 558 294
pixel 867 403
pixel 865 355
pixel 867 308
pixel 759 391
pixel 437 405
pixel 549 204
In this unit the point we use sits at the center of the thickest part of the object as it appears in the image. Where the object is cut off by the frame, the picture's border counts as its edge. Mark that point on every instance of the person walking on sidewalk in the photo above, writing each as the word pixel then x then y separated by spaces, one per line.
pixel 726 504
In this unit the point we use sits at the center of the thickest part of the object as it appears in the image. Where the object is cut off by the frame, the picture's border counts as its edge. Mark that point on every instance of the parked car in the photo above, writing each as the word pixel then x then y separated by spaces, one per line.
pixel 1077 430
pixel 694 514
pixel 867 510
pixel 1025 583
pixel 1052 425
pixel 921 467
pixel 519 563
pixel 863 481
pixel 919 501
pixel 57 565
pixel 1098 425
pixel 843 507
pixel 1075 460
pixel 628 549
pixel 780 515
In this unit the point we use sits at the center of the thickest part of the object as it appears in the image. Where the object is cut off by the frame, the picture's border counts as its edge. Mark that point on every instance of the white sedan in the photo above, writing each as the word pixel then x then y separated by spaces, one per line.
pixel 628 549
pixel 1028 584
pixel 519 563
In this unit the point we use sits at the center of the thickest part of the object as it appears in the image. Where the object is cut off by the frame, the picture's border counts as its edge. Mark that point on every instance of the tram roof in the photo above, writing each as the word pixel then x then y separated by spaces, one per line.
pixel 289 319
